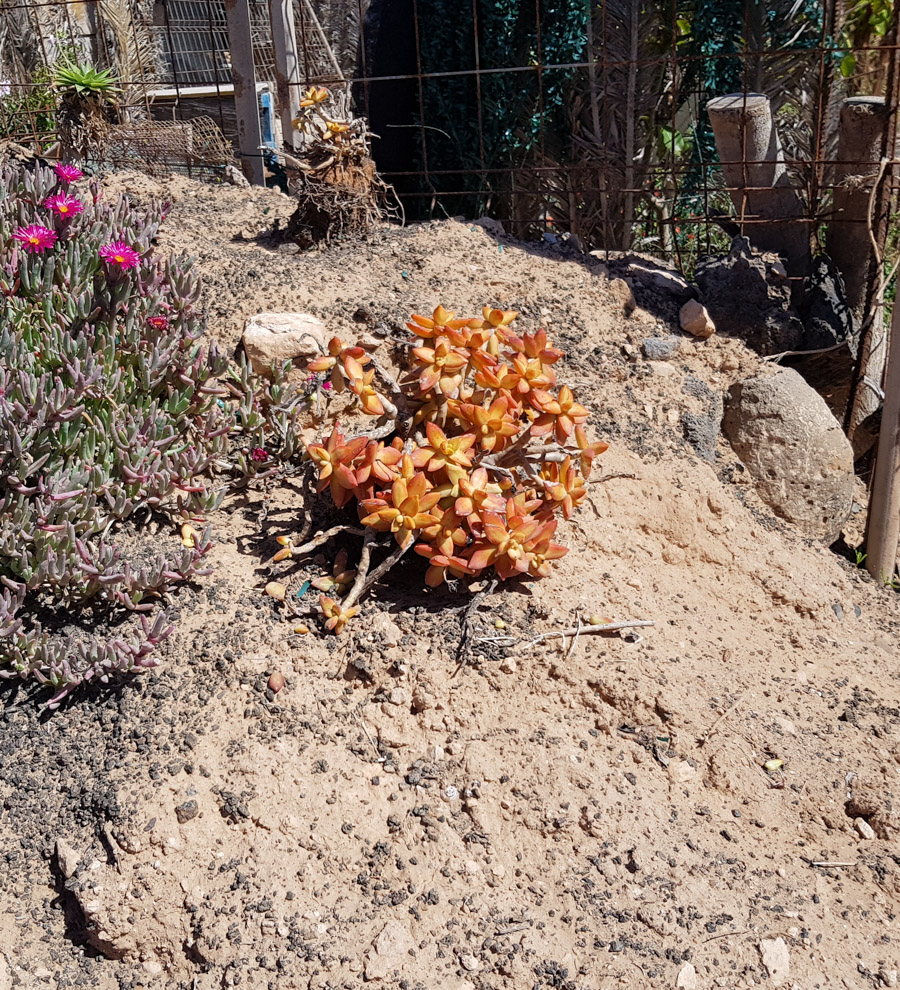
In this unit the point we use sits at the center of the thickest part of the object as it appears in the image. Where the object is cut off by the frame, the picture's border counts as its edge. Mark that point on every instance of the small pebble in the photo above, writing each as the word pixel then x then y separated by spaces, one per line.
pixel 864 828
pixel 276 682
pixel 186 811
pixel 469 963
pixel 276 590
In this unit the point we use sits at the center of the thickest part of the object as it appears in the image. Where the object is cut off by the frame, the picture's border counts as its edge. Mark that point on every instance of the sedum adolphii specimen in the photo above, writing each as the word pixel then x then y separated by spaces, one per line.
pixel 108 407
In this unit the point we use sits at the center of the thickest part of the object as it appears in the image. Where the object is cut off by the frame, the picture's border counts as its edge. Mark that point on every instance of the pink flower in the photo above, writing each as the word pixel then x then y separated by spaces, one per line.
pixel 64 205
pixel 120 254
pixel 35 238
pixel 67 173
pixel 258 454
pixel 158 322
pixel 326 386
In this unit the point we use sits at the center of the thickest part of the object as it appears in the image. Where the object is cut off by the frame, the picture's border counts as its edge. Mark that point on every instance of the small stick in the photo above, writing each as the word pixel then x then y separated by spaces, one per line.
pixel 831 862
pixel 563 633
pixel 818 350
pixel 717 723
pixel 575 637
pixel 609 477
pixel 726 935
pixel 606 627
pixel 362 569
pixel 325 537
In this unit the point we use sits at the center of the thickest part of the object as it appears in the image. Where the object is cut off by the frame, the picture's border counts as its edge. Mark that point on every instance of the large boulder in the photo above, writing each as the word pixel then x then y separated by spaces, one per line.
pixel 794 449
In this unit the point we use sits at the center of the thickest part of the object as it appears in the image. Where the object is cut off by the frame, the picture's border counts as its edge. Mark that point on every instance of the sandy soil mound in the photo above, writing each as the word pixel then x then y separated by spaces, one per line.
pixel 577 813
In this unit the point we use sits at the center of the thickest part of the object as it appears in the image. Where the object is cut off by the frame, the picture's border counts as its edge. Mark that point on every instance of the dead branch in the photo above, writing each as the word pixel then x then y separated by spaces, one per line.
pixel 563 633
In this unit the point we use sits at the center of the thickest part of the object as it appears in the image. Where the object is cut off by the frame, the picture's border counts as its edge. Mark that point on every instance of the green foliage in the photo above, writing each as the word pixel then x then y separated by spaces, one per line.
pixel 29 110
pixel 498 120
pixel 84 81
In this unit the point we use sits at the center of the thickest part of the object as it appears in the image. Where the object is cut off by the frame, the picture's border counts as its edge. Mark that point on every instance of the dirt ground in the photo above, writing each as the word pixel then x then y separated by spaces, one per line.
pixel 574 814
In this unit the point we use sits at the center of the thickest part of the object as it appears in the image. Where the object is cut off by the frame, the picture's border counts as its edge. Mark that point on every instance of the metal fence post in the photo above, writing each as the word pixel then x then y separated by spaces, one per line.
pixel 883 531
pixel 287 67
pixel 243 74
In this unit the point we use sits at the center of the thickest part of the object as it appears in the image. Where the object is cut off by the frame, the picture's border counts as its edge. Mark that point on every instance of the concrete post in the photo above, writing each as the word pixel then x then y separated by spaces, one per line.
pixel 860 137
pixel 287 67
pixel 769 208
pixel 243 74
pixel 864 121
pixel 883 531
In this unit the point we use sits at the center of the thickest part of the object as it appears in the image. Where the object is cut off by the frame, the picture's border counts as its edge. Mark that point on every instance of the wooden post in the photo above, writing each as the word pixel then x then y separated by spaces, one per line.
pixel 883 529
pixel 243 74
pixel 287 68
pixel 760 187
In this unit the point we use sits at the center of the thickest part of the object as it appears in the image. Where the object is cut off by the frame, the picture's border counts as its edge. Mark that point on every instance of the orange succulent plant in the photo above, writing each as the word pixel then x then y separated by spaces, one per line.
pixel 492 452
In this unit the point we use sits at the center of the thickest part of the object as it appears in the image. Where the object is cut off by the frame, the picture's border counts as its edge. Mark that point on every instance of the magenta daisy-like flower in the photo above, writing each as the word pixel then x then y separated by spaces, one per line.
pixel 64 205
pixel 158 322
pixel 67 173
pixel 35 238
pixel 258 454
pixel 118 253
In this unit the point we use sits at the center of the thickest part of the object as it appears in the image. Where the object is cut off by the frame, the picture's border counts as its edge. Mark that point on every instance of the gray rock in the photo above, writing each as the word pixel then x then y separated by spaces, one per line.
pixel 661 348
pixel 186 811
pixel 794 449
pixel 827 318
pixel 748 295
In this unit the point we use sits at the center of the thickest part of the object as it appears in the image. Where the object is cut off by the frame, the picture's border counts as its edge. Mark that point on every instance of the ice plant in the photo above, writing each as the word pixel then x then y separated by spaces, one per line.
pixel 64 205
pixel 107 410
pixel 67 173
pixel 488 450
pixel 35 238
pixel 336 618
pixel 118 254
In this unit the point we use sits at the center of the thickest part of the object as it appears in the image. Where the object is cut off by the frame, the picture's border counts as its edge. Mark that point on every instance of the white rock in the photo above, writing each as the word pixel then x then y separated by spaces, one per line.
pixel 687 977
pixel 695 320
pixel 383 625
pixel 621 292
pixel 281 337
pixel 469 963
pixel 152 967
pixel 776 959
pixel 864 828
pixel 399 696
pixel 681 771
pixel 661 368
pixel 66 857
pixel 389 951
pixel 661 279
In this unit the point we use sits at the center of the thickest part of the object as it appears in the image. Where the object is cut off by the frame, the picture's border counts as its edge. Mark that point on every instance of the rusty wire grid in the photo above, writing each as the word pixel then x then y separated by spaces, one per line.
pixel 592 127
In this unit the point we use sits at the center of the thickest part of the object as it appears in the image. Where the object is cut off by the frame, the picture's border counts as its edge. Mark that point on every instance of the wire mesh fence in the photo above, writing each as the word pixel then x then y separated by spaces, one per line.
pixel 578 119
